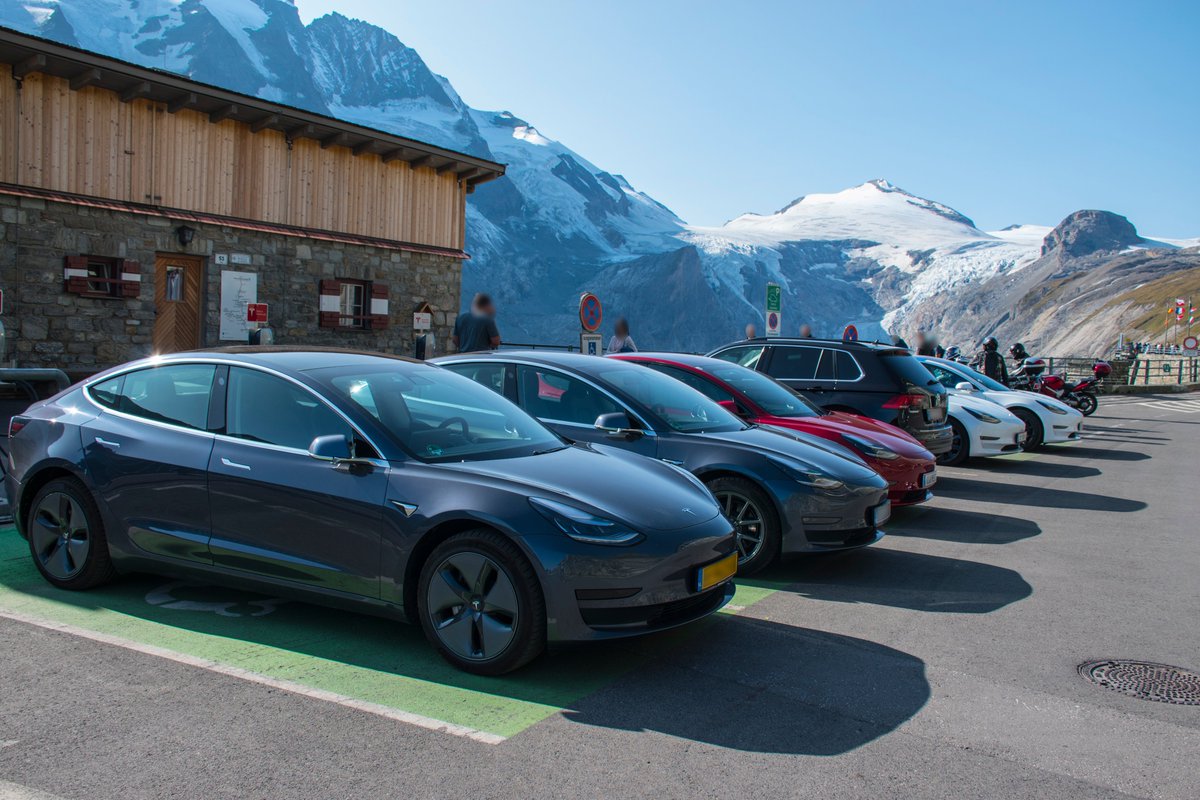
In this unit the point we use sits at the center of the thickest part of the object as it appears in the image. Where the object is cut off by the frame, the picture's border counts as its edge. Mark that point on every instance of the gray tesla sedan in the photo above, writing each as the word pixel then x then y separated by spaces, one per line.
pixel 784 491
pixel 343 477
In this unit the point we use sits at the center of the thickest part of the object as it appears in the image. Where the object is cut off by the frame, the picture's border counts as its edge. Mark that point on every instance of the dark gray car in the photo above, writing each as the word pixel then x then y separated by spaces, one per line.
pixel 784 491
pixel 392 485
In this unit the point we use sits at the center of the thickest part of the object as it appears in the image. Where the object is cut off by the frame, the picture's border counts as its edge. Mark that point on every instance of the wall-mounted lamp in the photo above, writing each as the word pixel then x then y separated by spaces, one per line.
pixel 185 235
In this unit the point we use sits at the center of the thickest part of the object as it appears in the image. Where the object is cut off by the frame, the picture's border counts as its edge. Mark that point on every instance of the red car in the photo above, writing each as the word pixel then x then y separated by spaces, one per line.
pixel 901 460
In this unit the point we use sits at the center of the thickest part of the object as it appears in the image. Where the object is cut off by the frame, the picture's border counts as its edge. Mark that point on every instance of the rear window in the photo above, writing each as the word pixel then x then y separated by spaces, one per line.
pixel 903 366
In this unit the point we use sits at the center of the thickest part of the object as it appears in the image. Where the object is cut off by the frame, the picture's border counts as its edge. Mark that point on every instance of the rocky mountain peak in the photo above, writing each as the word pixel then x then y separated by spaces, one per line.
pixel 1089 231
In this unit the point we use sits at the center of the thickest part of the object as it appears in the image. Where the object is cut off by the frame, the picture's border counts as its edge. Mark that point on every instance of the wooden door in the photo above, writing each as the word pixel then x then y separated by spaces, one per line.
pixel 177 282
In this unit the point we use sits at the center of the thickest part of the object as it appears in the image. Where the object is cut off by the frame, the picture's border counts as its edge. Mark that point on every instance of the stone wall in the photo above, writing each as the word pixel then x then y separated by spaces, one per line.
pixel 48 327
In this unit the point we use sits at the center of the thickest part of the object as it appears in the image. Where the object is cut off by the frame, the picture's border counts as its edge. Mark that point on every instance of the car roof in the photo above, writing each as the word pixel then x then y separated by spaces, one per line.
pixel 291 358
pixel 549 358
pixel 849 343
pixel 686 359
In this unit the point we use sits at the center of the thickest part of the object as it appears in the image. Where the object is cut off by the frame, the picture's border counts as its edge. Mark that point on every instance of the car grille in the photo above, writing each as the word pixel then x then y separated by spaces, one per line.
pixel 655 616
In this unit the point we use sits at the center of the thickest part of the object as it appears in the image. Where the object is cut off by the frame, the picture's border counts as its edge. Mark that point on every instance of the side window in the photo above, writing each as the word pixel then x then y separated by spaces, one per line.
pixel 825 367
pixel 265 408
pixel 745 356
pixel 551 395
pixel 108 393
pixel 795 363
pixel 847 369
pixel 705 387
pixel 175 394
pixel 489 375
pixel 944 376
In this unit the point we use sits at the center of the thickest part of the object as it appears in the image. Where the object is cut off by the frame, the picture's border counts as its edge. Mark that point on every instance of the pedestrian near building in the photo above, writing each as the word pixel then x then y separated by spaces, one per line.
pixel 621 341
pixel 476 330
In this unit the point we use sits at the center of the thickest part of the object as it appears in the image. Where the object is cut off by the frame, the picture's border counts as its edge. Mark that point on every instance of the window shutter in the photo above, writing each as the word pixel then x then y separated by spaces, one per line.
pixel 131 278
pixel 379 307
pixel 75 274
pixel 329 303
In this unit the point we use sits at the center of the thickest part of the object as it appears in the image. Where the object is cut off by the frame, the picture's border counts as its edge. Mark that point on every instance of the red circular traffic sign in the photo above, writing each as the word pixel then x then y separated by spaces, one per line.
pixel 850 334
pixel 591 313
pixel 1190 343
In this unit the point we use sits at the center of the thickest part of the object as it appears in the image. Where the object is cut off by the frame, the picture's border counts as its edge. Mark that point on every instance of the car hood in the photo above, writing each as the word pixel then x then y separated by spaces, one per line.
pixel 847 425
pixel 961 400
pixel 770 440
pixel 867 424
pixel 645 493
pixel 1028 399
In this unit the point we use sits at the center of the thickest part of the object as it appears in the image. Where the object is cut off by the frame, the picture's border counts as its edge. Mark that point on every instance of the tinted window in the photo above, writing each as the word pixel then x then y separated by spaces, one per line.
pixel 551 395
pixel 489 375
pixel 679 406
pixel 944 376
pixel 265 408
pixel 702 385
pixel 748 356
pixel 796 363
pixel 771 396
pixel 847 368
pixel 108 393
pixel 176 394
pixel 825 367
pixel 905 368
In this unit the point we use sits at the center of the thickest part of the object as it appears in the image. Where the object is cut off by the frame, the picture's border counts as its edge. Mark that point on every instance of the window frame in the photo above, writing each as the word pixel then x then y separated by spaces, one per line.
pixel 174 426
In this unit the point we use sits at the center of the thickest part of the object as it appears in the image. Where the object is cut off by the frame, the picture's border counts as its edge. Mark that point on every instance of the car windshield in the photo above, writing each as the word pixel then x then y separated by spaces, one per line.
pixel 971 375
pixel 439 416
pixel 772 397
pixel 683 408
pixel 905 367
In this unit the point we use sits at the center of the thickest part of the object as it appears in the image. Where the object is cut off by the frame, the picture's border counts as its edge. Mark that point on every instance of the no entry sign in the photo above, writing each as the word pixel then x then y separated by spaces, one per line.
pixel 1191 346
pixel 591 313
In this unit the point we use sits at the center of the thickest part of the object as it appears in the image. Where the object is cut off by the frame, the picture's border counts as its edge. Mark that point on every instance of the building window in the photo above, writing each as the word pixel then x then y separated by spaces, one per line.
pixel 100 276
pixel 352 304
pixel 104 276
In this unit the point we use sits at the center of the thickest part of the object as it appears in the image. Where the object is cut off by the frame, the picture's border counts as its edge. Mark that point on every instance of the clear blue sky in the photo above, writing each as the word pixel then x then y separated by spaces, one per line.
pixel 1008 111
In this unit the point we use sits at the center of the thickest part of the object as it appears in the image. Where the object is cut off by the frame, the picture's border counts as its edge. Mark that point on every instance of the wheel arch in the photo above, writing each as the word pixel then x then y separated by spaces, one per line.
pixel 34 482
pixel 725 471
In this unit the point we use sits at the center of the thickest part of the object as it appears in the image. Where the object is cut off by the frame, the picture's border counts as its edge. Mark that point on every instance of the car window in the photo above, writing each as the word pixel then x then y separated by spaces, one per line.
pixel 796 363
pixel 266 408
pixel 945 377
pixel 489 375
pixel 551 395
pixel 108 393
pixel 906 369
pixel 846 369
pixel 825 367
pixel 770 395
pixel 747 356
pixel 700 384
pixel 176 394
pixel 679 406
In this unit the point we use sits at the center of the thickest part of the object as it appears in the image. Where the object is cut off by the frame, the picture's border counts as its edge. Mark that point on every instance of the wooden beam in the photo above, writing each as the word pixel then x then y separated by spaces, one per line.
pixel 262 123
pixel 224 112
pixel 139 89
pixel 85 78
pixel 363 147
pixel 420 161
pixel 35 63
pixel 469 173
pixel 333 140
pixel 301 132
pixel 394 155
pixel 179 103
pixel 447 167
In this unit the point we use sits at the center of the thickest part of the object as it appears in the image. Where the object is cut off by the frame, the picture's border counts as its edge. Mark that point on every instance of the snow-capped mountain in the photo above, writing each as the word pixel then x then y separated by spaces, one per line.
pixel 558 224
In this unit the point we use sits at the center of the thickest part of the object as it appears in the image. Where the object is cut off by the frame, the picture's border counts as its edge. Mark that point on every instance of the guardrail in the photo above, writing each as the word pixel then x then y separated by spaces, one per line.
pixel 1164 371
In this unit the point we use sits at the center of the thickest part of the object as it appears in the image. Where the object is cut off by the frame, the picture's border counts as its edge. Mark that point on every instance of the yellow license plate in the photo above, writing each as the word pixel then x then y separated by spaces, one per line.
pixel 716 572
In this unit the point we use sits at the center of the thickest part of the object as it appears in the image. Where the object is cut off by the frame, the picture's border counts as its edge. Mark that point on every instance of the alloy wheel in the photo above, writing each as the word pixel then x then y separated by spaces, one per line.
pixel 747 519
pixel 473 606
pixel 60 536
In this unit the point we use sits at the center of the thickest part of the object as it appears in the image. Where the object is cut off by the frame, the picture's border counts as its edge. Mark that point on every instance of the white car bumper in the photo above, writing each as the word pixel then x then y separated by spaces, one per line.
pixel 996 439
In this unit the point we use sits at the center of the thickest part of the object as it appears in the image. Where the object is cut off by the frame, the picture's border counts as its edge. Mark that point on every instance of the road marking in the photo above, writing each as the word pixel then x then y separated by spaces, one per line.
pixel 1183 406
pixel 263 680
pixel 15 791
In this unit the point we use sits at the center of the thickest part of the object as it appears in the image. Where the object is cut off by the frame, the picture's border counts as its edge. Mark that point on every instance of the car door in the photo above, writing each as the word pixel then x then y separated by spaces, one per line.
pixel 147 456
pixel 277 511
pixel 569 405
pixel 848 382
pixel 796 366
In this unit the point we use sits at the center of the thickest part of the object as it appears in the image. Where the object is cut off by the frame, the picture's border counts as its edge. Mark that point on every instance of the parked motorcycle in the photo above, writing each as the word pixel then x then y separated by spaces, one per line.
pixel 1081 395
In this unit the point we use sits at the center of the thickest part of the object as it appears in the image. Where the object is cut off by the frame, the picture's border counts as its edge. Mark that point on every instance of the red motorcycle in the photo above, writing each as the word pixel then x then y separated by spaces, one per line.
pixel 1081 396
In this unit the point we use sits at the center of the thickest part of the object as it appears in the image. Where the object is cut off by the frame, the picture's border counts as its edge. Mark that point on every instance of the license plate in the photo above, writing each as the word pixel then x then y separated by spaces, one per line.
pixel 881 513
pixel 928 479
pixel 716 572
pixel 1021 437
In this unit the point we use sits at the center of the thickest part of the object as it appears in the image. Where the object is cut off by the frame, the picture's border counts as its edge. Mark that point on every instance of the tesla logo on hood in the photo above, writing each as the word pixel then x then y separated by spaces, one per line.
pixel 687 510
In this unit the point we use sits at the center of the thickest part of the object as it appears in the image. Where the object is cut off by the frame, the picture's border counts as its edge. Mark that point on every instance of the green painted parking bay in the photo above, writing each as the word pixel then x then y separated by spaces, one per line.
pixel 356 656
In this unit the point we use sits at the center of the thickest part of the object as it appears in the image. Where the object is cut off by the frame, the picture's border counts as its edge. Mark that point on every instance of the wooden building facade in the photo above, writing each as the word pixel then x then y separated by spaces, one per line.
pixel 138 199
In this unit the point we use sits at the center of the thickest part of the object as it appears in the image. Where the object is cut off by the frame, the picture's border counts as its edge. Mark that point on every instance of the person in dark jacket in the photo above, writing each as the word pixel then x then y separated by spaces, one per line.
pixel 991 362
pixel 925 344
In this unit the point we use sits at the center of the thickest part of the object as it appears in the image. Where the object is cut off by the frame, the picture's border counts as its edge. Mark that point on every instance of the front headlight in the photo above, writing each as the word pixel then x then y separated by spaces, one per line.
pixel 1050 407
pixel 583 526
pixel 983 416
pixel 873 449
pixel 808 475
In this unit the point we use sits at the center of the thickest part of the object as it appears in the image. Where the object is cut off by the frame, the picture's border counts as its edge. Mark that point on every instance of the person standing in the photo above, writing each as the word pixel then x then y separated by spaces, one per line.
pixel 751 331
pixel 925 345
pixel 991 362
pixel 806 331
pixel 476 330
pixel 621 341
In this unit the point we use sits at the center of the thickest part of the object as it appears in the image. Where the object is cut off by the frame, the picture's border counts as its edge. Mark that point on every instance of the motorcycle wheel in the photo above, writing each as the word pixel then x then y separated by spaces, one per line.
pixel 1088 403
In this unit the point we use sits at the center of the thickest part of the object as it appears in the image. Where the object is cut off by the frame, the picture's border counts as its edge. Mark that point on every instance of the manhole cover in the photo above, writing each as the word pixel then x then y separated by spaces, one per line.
pixel 1145 679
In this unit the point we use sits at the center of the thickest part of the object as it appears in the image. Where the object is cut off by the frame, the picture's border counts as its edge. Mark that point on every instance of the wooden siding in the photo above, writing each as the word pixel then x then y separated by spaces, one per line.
pixel 88 142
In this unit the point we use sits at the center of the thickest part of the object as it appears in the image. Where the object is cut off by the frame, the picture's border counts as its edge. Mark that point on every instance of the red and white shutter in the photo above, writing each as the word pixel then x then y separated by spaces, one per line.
pixel 379 306
pixel 75 274
pixel 131 278
pixel 329 308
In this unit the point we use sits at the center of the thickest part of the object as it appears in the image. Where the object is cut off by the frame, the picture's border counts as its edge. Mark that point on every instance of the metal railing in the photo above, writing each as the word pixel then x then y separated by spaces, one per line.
pixel 1164 371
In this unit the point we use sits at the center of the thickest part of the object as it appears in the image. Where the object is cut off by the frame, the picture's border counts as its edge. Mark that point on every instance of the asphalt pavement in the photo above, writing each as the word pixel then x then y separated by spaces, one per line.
pixel 943 662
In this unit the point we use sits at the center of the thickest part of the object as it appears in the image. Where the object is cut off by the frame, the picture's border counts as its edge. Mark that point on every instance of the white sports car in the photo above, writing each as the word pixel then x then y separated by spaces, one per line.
pixel 981 428
pixel 1047 420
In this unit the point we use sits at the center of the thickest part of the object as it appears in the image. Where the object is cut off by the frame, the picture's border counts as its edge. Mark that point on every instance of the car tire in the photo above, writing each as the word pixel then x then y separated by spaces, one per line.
pixel 1088 403
pixel 480 603
pixel 960 449
pixel 1034 432
pixel 739 497
pixel 66 536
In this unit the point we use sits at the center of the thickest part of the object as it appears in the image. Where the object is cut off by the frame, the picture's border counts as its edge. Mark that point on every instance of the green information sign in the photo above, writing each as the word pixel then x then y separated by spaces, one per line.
pixel 774 298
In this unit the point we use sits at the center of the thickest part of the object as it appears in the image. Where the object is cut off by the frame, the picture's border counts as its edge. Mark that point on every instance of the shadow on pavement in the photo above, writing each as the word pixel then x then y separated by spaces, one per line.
pixel 915 581
pixel 1037 496
pixel 1078 451
pixel 1041 469
pixel 760 686
pixel 952 525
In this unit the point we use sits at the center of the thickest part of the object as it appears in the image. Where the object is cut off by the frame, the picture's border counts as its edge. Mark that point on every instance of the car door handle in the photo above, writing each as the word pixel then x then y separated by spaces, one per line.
pixel 106 442
pixel 672 462
pixel 234 464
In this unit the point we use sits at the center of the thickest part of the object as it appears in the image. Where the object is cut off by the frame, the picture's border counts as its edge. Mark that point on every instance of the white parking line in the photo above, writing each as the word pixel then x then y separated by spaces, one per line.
pixel 265 680
pixel 1182 406
pixel 15 791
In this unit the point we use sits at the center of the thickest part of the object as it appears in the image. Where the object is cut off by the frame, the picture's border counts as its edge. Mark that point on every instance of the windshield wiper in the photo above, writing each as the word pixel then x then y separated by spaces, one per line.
pixel 546 450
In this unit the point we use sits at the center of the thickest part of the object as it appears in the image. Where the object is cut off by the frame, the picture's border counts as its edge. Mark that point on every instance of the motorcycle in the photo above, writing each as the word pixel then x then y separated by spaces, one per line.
pixel 1081 395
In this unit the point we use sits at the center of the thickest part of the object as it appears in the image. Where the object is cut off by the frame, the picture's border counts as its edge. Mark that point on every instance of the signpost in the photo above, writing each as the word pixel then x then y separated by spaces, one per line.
pixel 591 314
pixel 1191 347
pixel 850 334
pixel 774 309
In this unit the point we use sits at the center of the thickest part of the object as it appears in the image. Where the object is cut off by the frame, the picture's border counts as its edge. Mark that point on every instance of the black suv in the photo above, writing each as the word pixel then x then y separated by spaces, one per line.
pixel 880 381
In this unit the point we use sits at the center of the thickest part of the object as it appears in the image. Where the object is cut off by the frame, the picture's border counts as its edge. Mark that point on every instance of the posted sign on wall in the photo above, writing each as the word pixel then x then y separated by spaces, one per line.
pixel 774 309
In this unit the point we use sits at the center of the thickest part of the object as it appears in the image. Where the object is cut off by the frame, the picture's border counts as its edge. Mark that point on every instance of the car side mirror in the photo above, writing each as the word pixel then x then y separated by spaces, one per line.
pixel 338 451
pixel 616 424
pixel 732 407
pixel 965 386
